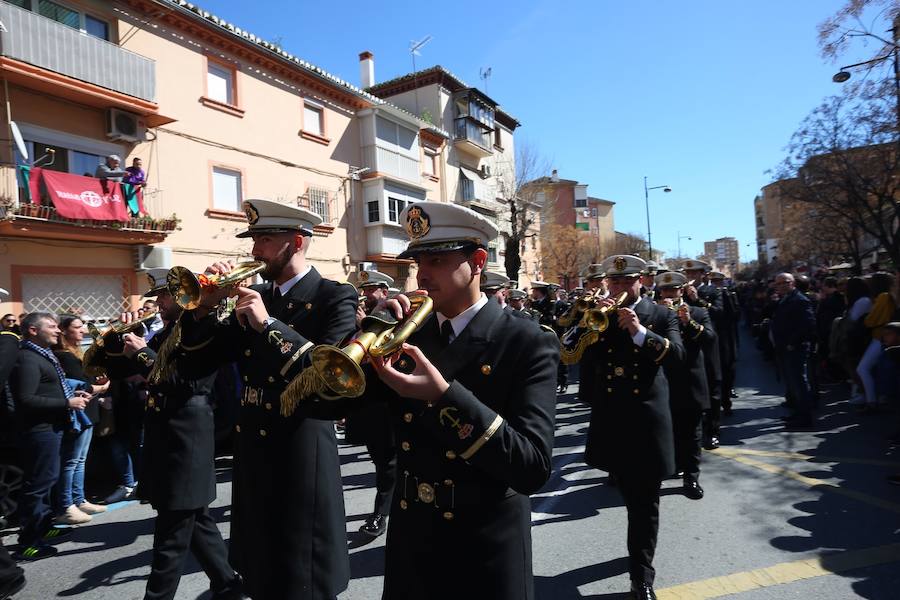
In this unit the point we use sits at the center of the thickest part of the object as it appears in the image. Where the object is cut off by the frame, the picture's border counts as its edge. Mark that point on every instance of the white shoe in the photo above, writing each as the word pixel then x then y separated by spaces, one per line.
pixel 72 516
pixel 89 508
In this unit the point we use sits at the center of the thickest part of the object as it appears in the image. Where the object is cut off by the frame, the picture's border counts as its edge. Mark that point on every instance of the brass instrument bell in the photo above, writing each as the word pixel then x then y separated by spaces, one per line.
pixel 597 319
pixel 186 288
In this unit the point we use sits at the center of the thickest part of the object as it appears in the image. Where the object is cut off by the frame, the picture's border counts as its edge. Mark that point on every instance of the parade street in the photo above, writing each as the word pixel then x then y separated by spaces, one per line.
pixel 786 515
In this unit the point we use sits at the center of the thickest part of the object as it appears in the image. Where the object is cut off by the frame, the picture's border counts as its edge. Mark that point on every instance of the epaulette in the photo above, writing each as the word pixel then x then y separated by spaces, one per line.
pixel 12 333
pixel 548 328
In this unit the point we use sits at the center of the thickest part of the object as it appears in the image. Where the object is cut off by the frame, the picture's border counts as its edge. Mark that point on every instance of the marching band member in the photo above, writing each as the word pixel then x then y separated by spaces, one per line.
pixel 472 397
pixel 630 434
pixel 288 528
pixel 688 391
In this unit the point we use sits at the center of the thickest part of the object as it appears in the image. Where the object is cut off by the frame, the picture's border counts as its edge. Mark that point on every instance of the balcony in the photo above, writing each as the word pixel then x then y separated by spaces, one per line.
pixel 471 137
pixel 43 221
pixel 44 43
pixel 382 160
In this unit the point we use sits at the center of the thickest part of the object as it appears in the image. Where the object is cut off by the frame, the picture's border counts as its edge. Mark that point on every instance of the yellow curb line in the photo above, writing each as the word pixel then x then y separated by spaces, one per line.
pixel 788 572
pixel 808 457
pixel 813 482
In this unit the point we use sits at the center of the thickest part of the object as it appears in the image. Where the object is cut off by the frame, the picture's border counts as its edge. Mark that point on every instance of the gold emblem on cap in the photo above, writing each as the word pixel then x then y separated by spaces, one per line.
pixel 688 265
pixel 594 268
pixel 363 276
pixel 417 223
pixel 620 263
pixel 251 212
pixel 667 278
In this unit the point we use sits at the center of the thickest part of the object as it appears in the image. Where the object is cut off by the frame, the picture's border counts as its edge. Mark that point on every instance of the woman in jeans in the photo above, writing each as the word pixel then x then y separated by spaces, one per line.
pixel 72 507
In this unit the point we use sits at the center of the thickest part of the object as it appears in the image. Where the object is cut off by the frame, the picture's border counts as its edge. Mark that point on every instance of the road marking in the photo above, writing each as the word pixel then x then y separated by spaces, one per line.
pixel 825 564
pixel 808 457
pixel 810 481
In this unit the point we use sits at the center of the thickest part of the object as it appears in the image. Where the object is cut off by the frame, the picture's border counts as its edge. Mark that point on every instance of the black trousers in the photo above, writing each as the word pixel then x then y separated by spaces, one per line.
pixel 641 497
pixel 728 375
pixel 175 532
pixel 687 423
pixel 40 466
pixel 384 455
pixel 562 374
pixel 9 571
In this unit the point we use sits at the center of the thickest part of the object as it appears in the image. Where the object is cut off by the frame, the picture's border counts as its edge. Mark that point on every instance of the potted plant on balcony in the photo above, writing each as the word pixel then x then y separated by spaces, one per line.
pixel 172 223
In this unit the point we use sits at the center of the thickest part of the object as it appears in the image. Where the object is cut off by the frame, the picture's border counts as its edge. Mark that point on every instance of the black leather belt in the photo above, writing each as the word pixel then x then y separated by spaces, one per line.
pixel 159 402
pixel 445 495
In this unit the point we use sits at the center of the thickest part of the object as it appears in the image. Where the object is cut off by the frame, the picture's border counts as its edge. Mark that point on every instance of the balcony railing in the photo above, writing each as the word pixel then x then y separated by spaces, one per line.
pixel 44 43
pixel 383 160
pixel 46 213
pixel 468 130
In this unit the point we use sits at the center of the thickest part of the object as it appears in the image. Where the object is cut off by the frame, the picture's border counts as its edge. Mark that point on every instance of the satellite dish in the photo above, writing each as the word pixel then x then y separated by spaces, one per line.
pixel 20 143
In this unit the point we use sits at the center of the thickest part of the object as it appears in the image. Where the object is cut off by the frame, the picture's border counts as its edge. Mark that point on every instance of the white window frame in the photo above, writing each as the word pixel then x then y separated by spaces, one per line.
pixel 315 106
pixel 239 188
pixel 36 135
pixel 231 82
pixel 411 152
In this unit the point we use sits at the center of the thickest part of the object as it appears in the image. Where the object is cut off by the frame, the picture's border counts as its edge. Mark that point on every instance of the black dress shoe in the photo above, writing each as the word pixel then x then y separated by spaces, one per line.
pixel 374 525
pixel 642 591
pixel 734 394
pixel 233 591
pixel 712 443
pixel 798 424
pixel 692 488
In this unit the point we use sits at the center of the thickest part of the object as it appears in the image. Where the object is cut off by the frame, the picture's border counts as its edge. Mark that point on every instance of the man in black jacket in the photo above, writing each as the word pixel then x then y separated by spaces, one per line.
pixel 688 391
pixel 12 577
pixel 42 400
pixel 472 400
pixel 178 471
pixel 630 434
pixel 793 333
pixel 288 529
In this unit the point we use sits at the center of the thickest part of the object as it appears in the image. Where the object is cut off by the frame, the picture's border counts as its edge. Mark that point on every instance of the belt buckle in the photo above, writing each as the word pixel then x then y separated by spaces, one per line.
pixel 426 493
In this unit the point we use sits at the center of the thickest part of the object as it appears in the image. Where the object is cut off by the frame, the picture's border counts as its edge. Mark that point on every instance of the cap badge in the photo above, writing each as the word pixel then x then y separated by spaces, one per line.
pixel 688 265
pixel 417 223
pixel 251 212
pixel 594 268
pixel 667 278
pixel 620 263
pixel 363 276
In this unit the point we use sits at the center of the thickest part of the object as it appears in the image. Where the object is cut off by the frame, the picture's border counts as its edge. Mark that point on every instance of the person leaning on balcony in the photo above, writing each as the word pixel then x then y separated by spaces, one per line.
pixel 135 174
pixel 109 170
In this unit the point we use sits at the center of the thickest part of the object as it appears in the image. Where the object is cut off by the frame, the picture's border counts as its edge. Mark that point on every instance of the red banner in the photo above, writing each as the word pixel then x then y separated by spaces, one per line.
pixel 79 197
pixel 34 184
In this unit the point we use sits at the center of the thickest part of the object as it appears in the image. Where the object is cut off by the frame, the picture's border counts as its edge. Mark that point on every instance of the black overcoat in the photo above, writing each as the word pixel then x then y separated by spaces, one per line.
pixel 631 424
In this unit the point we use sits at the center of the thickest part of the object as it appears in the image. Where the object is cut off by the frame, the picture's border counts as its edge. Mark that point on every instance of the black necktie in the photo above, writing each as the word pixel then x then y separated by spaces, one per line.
pixel 276 293
pixel 446 332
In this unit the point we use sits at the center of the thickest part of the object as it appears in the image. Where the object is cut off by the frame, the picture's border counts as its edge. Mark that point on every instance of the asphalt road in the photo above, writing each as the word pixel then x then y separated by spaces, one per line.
pixel 786 515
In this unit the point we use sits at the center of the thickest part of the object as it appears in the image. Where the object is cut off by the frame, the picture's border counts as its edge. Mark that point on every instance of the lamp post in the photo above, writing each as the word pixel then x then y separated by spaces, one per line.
pixel 681 237
pixel 843 75
pixel 664 188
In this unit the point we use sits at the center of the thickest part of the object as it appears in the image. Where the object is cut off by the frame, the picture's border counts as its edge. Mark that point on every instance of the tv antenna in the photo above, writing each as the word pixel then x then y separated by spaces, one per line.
pixel 484 74
pixel 414 48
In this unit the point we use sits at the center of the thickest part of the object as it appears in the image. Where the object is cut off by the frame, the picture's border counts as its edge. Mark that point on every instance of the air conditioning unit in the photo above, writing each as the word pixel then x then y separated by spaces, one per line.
pixel 587 212
pixel 125 126
pixel 152 257
pixel 485 170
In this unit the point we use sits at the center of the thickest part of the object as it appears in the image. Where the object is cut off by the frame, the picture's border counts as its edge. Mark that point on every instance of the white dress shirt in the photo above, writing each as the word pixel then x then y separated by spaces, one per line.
pixel 459 322
pixel 285 287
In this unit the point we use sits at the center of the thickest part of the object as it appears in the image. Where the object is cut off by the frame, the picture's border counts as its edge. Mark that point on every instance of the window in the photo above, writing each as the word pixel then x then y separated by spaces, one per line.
pixel 492 253
pixel 318 202
pixel 313 119
pixel 498 139
pixel 59 13
pixel 594 212
pixel 430 165
pixel 96 27
pixel 395 207
pixel 466 187
pixel 227 190
pixel 580 202
pixel 219 83
pixel 26 4
pixel 374 213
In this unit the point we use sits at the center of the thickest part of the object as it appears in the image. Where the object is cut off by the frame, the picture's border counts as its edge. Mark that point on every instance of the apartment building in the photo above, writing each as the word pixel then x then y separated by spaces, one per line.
pixel 217 115
pixel 725 252
pixel 475 167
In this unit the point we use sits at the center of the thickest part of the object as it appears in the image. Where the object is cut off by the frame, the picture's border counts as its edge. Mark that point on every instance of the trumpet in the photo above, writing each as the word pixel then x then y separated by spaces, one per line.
pixel 336 372
pixel 100 336
pixel 594 322
pixel 186 288
pixel 578 308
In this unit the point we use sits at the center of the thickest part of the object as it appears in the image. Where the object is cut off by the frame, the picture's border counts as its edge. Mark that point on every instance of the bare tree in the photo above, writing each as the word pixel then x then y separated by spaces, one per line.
pixel 522 203
pixel 565 251
pixel 630 243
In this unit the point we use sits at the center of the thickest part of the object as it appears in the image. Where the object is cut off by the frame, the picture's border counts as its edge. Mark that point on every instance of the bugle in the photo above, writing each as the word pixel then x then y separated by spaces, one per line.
pixel 186 288
pixel 100 336
pixel 336 372
pixel 574 342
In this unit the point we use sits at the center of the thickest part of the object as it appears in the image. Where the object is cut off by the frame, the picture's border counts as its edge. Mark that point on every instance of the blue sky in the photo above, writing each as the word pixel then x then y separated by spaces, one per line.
pixel 702 96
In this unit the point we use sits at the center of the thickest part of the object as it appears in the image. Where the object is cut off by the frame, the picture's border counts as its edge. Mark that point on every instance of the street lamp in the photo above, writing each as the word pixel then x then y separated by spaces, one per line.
pixel 681 237
pixel 664 188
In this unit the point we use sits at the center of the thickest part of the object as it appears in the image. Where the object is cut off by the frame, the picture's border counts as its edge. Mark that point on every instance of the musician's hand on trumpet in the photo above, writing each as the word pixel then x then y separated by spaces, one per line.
pixel 132 344
pixel 424 383
pixel 250 309
pixel 684 313
pixel 690 292
pixel 628 320
pixel 210 296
